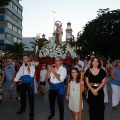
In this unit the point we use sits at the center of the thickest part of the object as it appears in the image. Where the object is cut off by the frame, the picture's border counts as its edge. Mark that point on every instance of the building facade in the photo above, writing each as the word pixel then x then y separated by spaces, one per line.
pixel 10 24
pixel 27 41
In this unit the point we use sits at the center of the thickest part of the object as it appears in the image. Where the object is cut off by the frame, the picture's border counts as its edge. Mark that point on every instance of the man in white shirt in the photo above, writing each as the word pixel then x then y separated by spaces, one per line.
pixel 57 74
pixel 79 64
pixel 26 73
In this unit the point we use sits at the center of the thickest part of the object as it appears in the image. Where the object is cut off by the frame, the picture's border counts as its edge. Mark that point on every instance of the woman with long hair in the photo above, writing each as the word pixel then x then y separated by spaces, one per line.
pixel 95 79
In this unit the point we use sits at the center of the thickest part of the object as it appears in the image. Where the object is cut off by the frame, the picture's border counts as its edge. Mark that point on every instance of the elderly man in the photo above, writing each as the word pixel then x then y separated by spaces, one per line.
pixel 79 63
pixel 57 74
pixel 26 73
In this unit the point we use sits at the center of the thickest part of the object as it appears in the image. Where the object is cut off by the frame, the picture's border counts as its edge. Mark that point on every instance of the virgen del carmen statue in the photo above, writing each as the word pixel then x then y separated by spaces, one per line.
pixel 56 47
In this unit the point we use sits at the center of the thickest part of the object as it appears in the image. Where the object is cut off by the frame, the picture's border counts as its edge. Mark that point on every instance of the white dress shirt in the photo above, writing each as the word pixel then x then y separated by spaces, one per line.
pixel 62 72
pixel 23 71
pixel 80 63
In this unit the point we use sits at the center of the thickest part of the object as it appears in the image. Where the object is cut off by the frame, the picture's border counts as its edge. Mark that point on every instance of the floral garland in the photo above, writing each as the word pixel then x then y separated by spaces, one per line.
pixel 53 50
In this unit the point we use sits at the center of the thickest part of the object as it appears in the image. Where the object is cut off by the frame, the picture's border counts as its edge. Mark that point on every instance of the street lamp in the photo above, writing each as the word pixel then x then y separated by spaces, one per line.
pixel 75 40
pixel 38 37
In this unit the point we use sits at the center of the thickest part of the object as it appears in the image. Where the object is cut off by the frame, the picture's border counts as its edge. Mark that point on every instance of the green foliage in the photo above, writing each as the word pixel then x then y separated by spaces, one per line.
pixel 4 2
pixel 101 35
pixel 40 43
pixel 15 51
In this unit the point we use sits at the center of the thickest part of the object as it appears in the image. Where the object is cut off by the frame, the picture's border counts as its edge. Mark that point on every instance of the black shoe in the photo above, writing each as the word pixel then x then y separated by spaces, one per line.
pixel 51 116
pixel 20 111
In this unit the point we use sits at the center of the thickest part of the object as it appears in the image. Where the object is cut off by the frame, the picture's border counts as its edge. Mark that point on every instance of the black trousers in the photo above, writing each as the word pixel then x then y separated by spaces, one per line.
pixel 26 87
pixel 60 99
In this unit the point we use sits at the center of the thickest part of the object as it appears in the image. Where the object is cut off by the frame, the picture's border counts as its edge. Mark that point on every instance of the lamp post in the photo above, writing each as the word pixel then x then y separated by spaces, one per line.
pixel 37 37
pixel 54 21
pixel 75 40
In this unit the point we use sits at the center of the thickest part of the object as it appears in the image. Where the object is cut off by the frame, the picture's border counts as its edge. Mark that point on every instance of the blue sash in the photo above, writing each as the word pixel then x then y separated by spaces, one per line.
pixel 58 86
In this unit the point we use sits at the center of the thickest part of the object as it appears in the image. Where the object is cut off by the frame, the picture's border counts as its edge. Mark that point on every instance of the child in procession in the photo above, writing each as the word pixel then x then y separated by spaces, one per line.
pixel 43 73
pixel 73 93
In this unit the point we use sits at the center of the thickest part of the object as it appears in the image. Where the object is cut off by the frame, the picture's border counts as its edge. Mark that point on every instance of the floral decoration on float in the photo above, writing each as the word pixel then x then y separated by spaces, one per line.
pixel 50 50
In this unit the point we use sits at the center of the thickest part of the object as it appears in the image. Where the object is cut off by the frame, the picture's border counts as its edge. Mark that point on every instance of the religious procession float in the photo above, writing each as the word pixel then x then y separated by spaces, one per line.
pixel 51 49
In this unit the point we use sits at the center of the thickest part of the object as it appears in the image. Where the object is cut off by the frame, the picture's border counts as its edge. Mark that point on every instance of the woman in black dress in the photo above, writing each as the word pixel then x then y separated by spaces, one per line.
pixel 95 79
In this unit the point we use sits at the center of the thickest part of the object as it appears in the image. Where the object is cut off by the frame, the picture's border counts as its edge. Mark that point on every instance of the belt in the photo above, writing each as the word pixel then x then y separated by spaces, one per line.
pixel 95 84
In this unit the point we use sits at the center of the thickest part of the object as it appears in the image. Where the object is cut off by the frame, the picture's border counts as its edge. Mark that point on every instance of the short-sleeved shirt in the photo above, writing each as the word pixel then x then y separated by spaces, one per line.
pixel 62 72
pixel 95 78
pixel 43 75
pixel 80 63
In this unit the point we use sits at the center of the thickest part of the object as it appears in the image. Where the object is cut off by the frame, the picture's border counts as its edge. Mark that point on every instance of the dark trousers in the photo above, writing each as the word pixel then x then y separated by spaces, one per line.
pixel 60 99
pixel 26 87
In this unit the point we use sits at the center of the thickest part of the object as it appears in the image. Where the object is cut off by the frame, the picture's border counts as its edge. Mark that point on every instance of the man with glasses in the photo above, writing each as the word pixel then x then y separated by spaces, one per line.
pixel 26 73
pixel 57 74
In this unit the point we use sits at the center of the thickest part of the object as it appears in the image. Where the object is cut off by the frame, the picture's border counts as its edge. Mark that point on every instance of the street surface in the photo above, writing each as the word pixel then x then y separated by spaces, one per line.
pixel 8 109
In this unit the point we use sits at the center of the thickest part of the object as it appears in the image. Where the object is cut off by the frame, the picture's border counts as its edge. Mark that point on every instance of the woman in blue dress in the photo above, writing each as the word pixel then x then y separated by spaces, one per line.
pixel 8 75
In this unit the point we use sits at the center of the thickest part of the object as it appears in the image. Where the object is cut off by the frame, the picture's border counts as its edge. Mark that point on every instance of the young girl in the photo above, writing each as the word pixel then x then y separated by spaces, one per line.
pixel 73 93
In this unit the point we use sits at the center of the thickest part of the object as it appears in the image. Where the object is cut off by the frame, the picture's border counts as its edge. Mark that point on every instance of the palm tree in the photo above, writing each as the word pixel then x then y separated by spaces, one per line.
pixel 34 44
pixel 40 43
pixel 4 2
pixel 15 51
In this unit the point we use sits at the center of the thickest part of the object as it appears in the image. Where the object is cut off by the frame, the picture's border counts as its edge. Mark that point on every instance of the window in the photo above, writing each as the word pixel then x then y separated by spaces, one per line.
pixel 14 28
pixel 15 17
pixel 20 31
pixel 9 25
pixel 15 7
pixel 2 24
pixel 1 36
pixel 2 10
pixel 19 21
pixel 9 13
pixel 9 37
pixel 19 11
pixel 15 39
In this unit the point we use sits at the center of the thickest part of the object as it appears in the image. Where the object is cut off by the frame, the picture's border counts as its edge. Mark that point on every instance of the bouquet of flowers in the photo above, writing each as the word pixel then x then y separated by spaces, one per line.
pixel 53 50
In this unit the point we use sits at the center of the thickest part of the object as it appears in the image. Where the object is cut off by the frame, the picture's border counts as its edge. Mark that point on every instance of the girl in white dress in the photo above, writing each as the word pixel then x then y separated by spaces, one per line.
pixel 73 93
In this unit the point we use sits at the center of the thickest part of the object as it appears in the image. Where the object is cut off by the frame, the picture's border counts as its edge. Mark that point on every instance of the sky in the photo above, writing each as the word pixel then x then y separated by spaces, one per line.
pixel 39 18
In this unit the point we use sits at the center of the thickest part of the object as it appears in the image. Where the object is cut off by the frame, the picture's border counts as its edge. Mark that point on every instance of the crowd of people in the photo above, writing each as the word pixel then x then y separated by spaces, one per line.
pixel 91 75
